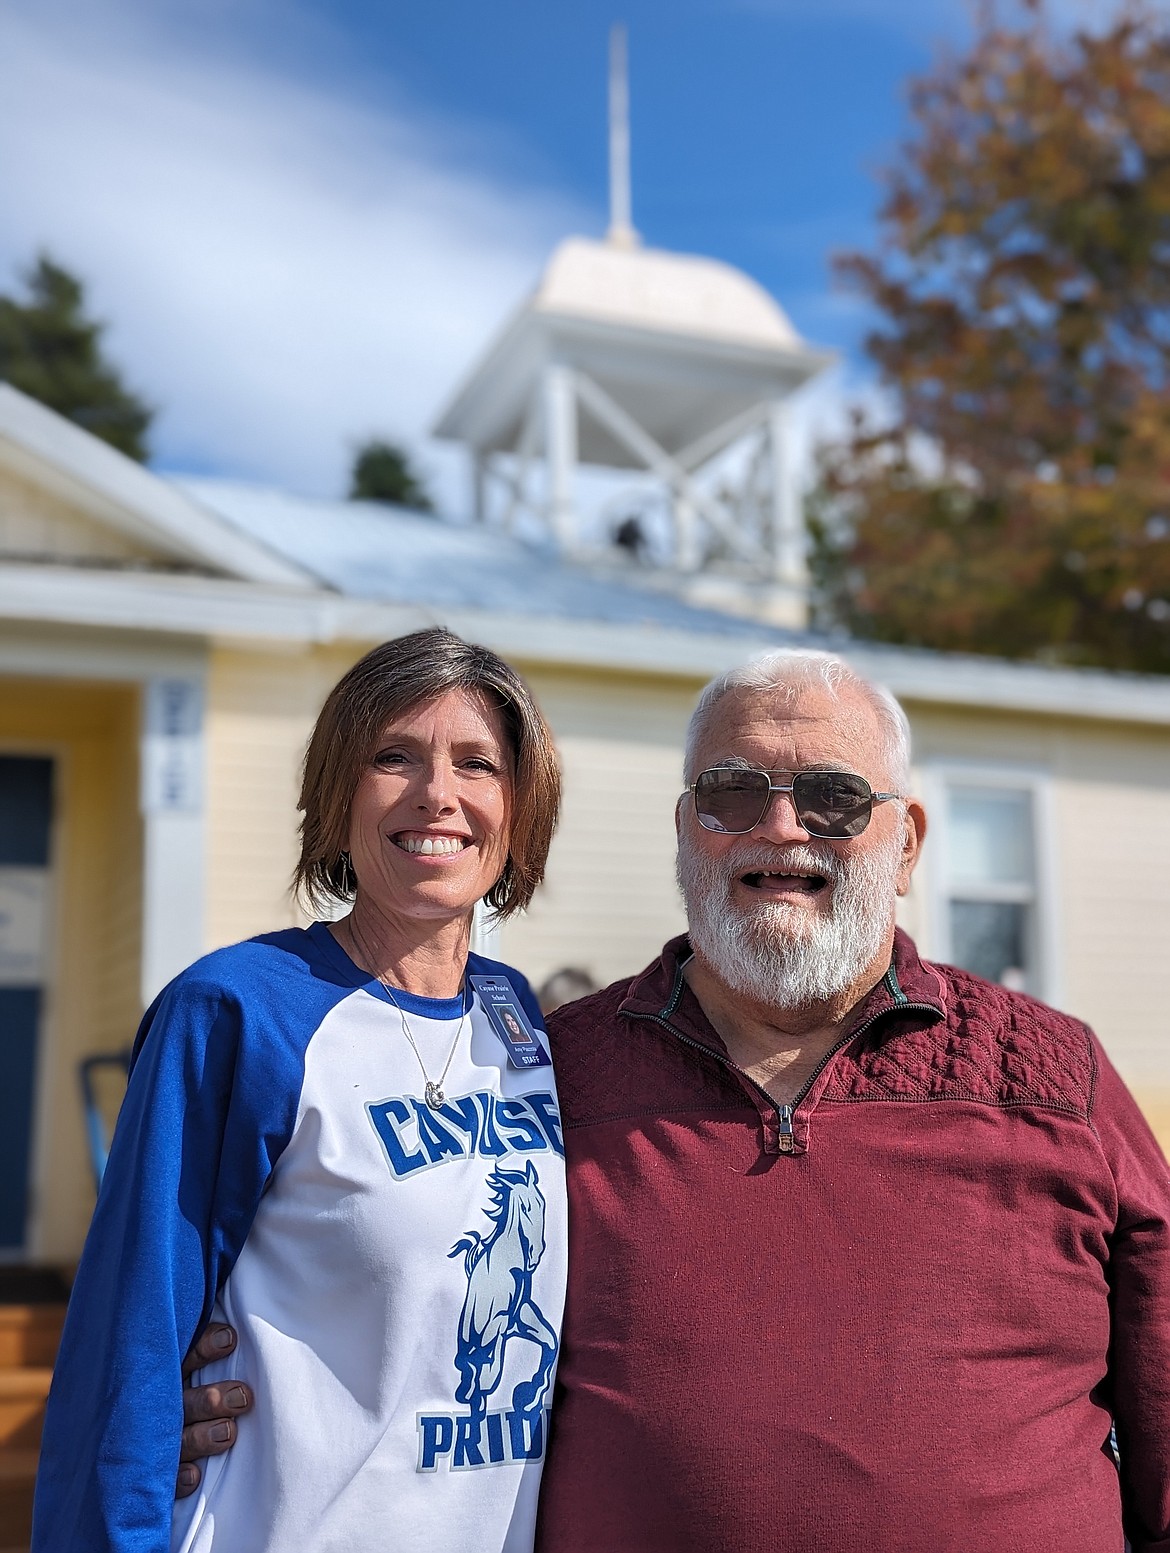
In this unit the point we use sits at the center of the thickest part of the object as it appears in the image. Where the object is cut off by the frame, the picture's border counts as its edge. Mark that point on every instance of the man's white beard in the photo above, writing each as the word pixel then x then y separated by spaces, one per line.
pixel 780 955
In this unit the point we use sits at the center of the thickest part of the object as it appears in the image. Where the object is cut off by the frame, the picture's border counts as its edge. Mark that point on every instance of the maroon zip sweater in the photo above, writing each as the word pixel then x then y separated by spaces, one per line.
pixel 895 1318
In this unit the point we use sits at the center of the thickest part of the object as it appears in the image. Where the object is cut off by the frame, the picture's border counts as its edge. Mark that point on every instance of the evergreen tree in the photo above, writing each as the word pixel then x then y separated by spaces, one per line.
pixel 382 472
pixel 1019 504
pixel 52 351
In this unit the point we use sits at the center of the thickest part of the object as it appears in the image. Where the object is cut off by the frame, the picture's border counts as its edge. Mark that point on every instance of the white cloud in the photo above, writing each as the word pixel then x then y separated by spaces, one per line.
pixel 284 270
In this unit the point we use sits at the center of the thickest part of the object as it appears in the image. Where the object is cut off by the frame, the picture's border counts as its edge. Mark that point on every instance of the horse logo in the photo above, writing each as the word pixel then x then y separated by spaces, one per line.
pixel 499 1305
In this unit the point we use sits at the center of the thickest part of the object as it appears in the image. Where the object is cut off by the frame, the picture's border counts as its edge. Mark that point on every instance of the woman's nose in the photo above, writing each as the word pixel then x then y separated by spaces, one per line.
pixel 437 792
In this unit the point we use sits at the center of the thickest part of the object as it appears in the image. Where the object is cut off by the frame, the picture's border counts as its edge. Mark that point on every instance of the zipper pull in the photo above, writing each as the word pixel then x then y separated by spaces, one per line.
pixel 787 1141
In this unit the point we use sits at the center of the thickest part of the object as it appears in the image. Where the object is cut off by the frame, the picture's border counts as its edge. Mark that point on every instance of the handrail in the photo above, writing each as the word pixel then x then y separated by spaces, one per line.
pixel 95 1124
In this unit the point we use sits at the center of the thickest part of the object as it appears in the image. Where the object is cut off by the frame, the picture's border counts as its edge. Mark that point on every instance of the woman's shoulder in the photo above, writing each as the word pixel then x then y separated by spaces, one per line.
pixel 236 968
pixel 288 968
pixel 276 986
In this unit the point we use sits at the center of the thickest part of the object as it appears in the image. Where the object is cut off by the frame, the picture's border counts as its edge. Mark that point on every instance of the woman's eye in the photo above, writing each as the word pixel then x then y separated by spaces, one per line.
pixel 481 763
pixel 389 758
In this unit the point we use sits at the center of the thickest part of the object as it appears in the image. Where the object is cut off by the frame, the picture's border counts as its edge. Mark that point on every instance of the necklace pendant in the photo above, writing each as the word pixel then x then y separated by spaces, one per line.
pixel 434 1095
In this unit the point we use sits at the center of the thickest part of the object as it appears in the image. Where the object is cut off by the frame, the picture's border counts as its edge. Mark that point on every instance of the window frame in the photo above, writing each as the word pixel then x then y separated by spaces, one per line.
pixel 939 778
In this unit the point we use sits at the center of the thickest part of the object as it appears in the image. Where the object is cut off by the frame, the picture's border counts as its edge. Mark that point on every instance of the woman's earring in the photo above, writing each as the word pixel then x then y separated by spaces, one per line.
pixel 348 880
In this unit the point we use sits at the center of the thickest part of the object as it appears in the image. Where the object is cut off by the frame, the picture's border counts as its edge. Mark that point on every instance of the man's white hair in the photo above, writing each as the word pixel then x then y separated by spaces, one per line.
pixel 795 669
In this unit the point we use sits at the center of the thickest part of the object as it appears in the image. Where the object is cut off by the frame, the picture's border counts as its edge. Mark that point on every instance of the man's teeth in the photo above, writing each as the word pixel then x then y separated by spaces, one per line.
pixel 431 846
pixel 758 875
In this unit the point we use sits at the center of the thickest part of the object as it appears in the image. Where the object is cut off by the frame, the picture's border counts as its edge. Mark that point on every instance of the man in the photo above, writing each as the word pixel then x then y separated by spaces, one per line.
pixel 867 1254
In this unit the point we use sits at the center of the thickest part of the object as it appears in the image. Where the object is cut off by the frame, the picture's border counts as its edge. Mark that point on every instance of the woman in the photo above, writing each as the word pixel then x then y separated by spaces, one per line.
pixel 334 1140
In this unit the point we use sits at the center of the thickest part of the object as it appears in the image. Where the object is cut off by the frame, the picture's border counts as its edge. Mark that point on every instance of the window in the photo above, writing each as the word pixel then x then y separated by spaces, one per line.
pixel 992 892
pixel 989 912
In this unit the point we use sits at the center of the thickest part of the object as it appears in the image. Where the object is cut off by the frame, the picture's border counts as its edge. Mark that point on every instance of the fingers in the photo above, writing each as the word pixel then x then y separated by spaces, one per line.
pixel 209 1439
pixel 225 1400
pixel 209 1416
pixel 214 1342
pixel 209 1412
pixel 188 1480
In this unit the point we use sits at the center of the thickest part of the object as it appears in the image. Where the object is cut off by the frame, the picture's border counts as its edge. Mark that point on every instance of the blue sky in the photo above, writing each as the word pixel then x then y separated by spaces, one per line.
pixel 303 220
pixel 756 128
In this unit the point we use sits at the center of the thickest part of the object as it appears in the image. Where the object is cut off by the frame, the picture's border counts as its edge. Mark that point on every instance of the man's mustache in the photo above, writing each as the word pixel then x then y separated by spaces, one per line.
pixel 796 858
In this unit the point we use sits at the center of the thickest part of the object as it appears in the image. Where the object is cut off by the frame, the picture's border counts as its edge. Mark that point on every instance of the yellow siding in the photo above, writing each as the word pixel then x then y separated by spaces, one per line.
pixel 610 900
pixel 1155 1102
pixel 92 1001
pixel 258 716
pixel 1110 888
pixel 260 712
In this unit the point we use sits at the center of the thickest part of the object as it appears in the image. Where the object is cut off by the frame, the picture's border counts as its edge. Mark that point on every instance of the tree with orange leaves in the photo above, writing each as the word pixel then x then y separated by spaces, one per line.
pixel 1019 501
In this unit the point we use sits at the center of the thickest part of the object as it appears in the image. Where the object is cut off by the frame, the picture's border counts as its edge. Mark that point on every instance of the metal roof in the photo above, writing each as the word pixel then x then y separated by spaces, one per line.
pixel 368 550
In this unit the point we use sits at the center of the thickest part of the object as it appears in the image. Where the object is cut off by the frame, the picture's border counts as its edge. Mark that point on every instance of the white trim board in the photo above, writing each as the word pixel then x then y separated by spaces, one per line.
pixel 113 490
pixel 254 615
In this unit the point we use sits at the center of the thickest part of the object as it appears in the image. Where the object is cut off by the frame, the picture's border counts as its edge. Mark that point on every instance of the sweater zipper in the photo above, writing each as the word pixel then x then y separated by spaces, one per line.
pixel 846 1040
pixel 709 1051
pixel 786 1112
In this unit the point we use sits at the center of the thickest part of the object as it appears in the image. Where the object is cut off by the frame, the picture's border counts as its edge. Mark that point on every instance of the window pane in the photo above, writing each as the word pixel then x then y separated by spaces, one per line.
pixel 990 835
pixel 990 938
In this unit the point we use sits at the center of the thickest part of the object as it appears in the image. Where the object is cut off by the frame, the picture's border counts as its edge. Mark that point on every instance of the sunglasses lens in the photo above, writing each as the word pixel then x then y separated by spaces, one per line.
pixel 832 803
pixel 731 801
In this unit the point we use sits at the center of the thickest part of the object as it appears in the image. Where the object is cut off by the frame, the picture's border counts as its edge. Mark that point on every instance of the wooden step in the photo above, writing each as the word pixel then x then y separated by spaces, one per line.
pixel 18 1471
pixel 29 1335
pixel 22 1408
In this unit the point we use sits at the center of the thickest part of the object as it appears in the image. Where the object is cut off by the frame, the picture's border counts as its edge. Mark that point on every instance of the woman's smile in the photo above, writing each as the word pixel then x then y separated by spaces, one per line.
pixel 430 843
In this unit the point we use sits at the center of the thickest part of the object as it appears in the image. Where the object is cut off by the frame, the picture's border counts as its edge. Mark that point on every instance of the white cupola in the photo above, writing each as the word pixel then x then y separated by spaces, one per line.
pixel 634 358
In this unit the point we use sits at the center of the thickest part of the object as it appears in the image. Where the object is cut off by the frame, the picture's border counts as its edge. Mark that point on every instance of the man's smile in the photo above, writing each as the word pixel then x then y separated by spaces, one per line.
pixel 774 881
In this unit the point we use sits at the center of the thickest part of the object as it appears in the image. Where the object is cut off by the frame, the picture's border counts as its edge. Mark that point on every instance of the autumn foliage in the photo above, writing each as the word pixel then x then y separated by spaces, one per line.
pixel 1019 503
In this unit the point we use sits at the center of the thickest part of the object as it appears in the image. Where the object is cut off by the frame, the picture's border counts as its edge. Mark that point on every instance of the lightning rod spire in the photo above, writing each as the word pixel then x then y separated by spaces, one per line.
pixel 621 229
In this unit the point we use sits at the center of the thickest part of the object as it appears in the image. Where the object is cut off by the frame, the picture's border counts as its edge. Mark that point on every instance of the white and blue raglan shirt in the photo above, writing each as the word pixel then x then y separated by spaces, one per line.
pixel 396 1273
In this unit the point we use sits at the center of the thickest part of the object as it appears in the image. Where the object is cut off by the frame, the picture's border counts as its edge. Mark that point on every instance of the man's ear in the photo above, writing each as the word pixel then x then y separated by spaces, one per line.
pixel 678 815
pixel 913 835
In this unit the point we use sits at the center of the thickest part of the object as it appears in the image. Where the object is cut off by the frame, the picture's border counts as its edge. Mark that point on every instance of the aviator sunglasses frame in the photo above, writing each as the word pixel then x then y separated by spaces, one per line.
pixel 800 779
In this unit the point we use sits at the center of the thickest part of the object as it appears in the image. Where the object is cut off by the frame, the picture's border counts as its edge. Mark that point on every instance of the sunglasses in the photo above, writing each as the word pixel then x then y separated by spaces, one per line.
pixel 831 804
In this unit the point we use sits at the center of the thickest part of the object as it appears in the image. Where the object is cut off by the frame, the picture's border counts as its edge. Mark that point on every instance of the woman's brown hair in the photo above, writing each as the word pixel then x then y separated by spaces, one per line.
pixel 386 684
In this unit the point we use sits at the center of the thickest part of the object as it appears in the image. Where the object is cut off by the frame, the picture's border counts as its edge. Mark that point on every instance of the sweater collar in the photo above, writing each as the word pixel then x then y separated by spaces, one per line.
pixel 663 991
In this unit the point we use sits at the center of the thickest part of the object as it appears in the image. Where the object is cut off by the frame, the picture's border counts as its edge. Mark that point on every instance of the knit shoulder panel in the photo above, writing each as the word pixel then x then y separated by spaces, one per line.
pixel 994 1046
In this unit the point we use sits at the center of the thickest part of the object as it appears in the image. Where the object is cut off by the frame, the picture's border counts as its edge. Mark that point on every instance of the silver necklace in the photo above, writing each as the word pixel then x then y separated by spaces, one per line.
pixel 432 1088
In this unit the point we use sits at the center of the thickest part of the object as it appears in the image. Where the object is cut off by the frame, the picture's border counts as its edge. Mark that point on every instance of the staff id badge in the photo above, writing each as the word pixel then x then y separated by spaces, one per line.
pixel 510 1022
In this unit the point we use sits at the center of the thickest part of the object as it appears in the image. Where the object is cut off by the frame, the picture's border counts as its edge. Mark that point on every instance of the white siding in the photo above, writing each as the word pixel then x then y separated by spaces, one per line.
pixel 35 524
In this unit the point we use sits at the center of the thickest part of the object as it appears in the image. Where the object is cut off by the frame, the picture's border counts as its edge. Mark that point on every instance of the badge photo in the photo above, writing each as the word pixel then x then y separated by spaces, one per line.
pixel 510 1022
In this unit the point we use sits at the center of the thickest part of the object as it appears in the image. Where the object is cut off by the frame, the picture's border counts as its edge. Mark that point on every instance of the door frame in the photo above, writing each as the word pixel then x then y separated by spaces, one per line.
pixel 44 1063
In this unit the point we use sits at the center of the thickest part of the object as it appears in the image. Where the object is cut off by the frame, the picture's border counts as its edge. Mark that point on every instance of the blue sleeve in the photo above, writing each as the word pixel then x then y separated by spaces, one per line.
pixel 210 1103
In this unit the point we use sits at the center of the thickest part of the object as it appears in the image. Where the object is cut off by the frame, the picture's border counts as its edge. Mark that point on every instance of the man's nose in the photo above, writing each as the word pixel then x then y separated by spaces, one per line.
pixel 780 822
